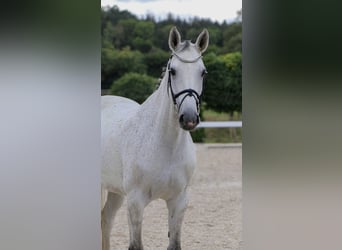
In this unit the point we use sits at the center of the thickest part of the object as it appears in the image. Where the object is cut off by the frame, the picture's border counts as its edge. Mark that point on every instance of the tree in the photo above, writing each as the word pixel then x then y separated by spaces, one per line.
pixel 134 86
pixel 232 38
pixel 143 35
pixel 155 60
pixel 223 86
pixel 233 62
pixel 223 89
pixel 126 27
pixel 115 63
pixel 239 16
pixel 108 36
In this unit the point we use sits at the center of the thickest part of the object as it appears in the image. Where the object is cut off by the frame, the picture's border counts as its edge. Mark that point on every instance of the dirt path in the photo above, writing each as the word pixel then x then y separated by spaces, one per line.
pixel 213 218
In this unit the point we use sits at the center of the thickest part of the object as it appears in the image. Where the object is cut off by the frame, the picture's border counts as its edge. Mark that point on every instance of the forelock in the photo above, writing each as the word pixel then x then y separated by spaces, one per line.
pixel 184 45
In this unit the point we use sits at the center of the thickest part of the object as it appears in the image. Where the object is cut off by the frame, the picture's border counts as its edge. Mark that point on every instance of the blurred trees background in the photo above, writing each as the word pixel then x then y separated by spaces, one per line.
pixel 134 51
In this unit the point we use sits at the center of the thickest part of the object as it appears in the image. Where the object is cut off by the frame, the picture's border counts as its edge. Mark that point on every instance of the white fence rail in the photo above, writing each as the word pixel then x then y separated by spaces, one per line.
pixel 220 124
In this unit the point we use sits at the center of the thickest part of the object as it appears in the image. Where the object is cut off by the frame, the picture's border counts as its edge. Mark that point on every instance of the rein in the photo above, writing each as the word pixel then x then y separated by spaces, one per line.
pixel 188 92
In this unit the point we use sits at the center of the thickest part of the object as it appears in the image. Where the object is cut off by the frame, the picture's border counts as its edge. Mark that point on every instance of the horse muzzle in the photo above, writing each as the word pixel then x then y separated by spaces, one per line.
pixel 189 120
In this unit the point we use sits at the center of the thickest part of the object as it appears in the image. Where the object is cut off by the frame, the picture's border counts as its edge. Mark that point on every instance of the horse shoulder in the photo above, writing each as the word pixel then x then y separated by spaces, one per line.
pixel 115 113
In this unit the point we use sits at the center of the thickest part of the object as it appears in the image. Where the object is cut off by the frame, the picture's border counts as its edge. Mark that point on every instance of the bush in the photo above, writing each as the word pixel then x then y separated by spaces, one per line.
pixel 155 60
pixel 223 86
pixel 134 86
pixel 115 63
pixel 198 135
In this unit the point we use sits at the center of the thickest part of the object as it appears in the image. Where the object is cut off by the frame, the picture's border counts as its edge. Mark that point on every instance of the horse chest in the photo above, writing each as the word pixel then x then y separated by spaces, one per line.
pixel 177 179
pixel 161 172
pixel 168 174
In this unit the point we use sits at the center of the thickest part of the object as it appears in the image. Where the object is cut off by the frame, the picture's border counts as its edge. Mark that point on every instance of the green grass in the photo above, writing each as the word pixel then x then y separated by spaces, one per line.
pixel 221 135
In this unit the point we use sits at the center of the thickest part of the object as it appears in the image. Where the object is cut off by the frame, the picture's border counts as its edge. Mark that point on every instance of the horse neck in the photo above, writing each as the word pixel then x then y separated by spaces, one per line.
pixel 163 114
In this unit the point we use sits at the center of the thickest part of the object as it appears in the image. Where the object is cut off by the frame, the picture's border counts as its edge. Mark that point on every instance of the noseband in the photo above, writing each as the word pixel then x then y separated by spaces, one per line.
pixel 187 92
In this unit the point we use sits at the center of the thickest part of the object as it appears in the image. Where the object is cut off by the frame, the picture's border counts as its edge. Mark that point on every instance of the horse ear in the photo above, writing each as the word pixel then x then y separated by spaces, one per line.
pixel 174 38
pixel 202 40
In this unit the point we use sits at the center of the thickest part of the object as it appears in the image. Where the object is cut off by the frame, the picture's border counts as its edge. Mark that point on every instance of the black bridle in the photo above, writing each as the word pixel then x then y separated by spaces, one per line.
pixel 188 92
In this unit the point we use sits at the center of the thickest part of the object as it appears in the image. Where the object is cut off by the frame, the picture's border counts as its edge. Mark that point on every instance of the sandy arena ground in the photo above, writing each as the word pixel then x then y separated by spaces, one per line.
pixel 213 218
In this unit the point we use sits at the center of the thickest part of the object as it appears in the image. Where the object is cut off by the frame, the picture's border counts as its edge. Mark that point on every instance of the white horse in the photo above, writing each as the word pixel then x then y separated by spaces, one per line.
pixel 147 150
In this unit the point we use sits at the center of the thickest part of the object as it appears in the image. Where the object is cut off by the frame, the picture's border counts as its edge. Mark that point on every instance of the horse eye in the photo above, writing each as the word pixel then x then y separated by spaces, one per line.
pixel 173 71
pixel 204 72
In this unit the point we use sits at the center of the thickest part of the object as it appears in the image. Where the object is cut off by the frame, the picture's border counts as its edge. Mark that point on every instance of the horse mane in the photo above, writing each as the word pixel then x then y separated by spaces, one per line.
pixel 160 78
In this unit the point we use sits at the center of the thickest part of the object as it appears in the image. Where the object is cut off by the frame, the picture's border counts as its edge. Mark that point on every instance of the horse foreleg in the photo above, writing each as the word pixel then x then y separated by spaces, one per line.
pixel 176 207
pixel 136 205
pixel 112 204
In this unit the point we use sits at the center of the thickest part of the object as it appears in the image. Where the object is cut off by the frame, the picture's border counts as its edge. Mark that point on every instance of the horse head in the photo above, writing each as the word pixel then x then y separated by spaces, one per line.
pixel 185 76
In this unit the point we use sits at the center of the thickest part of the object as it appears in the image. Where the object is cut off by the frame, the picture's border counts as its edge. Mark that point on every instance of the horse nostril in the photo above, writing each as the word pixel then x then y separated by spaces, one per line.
pixel 188 121
pixel 181 119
